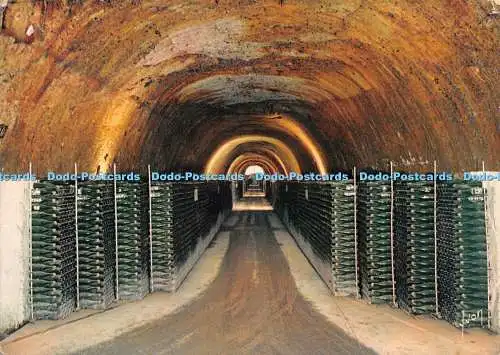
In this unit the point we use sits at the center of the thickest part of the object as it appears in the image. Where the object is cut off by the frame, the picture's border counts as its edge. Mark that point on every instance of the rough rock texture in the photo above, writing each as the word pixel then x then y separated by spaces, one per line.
pixel 355 82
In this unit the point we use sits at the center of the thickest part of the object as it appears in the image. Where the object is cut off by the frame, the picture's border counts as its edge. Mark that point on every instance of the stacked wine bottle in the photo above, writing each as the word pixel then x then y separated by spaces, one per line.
pixel 96 244
pixel 414 247
pixel 226 196
pixel 133 239
pixel 207 207
pixel 186 221
pixel 312 214
pixel 282 200
pixel 462 259
pixel 374 236
pixel 341 195
pixel 162 218
pixel 53 250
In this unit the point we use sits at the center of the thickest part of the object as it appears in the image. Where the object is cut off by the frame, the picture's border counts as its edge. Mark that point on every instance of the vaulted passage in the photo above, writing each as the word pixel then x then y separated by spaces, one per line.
pixel 309 86
pixel 246 88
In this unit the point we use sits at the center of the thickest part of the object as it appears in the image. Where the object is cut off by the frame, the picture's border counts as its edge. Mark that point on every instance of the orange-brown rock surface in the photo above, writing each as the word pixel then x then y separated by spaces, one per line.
pixel 169 83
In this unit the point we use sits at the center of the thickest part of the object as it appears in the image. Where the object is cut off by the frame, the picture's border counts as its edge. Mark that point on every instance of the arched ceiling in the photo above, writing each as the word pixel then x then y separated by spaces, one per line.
pixel 258 144
pixel 312 85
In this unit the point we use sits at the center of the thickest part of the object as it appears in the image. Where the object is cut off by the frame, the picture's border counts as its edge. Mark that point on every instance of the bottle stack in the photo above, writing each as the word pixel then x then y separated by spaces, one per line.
pixel 96 244
pixel 133 240
pixel 414 247
pixel 226 197
pixel 163 244
pixel 207 206
pixel 186 220
pixel 462 254
pixel 280 202
pixel 374 213
pixel 53 250
pixel 342 237
pixel 312 216
pixel 295 203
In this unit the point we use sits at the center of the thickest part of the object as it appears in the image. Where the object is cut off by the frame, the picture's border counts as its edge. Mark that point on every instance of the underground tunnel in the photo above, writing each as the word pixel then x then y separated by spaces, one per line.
pixel 327 88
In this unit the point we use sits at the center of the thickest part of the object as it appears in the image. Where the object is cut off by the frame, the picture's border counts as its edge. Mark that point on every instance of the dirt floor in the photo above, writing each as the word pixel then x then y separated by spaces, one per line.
pixel 252 307
pixel 252 204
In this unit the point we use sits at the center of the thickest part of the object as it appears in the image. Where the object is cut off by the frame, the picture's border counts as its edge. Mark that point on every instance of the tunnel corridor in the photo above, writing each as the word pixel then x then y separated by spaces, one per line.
pixel 252 307
pixel 133 132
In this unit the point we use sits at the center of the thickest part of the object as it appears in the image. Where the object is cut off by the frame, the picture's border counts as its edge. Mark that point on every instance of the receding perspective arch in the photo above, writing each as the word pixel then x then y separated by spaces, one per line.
pixel 253 169
pixel 245 160
pixel 250 143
